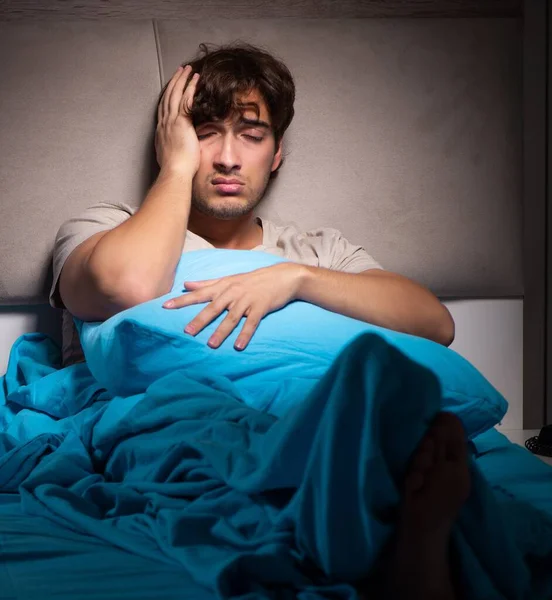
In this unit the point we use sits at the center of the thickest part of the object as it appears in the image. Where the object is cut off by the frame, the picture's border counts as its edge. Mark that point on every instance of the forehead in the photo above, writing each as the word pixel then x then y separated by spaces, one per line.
pixel 253 97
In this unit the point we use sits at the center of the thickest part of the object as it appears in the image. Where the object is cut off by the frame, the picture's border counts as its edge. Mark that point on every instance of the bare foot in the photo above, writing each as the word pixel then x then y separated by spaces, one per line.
pixel 438 481
pixel 436 486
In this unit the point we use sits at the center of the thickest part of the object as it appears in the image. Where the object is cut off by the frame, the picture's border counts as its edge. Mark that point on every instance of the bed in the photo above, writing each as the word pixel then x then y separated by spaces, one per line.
pixel 171 484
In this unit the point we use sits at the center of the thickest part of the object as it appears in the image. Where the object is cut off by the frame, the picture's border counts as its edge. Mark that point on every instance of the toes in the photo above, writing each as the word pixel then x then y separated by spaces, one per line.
pixel 424 457
pixel 446 421
pixel 438 480
pixel 450 437
pixel 422 461
pixel 444 442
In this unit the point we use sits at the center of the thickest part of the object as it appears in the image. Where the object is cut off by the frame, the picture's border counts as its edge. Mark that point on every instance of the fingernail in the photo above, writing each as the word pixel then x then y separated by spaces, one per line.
pixel 240 345
pixel 168 304
pixel 189 329
pixel 213 342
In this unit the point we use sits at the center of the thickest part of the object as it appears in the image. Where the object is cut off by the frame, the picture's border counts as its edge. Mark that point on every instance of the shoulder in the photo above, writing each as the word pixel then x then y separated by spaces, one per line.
pixel 321 246
pixel 98 217
pixel 93 219
pixel 102 213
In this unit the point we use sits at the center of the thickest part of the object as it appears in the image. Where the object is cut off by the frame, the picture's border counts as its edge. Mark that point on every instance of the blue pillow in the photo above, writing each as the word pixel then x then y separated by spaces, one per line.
pixel 288 354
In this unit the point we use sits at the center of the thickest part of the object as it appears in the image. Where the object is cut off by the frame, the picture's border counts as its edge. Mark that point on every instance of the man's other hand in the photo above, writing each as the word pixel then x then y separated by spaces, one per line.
pixel 252 295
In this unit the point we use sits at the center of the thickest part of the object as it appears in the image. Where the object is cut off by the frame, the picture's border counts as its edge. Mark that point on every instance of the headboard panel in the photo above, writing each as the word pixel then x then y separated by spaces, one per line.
pixel 407 137
pixel 75 116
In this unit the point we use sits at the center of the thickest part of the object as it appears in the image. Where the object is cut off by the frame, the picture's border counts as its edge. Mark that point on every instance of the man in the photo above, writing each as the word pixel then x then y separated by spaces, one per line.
pixel 113 257
pixel 217 154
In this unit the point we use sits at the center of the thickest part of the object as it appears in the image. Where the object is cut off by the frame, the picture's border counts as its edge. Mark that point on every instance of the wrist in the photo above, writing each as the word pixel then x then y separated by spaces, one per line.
pixel 304 276
pixel 171 172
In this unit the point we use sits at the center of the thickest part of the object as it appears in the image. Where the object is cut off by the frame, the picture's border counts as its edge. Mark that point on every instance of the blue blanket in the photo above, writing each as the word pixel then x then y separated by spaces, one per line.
pixel 247 504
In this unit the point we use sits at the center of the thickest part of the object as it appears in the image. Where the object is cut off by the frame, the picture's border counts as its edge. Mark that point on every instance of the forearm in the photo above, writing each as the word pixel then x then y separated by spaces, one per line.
pixel 140 256
pixel 381 298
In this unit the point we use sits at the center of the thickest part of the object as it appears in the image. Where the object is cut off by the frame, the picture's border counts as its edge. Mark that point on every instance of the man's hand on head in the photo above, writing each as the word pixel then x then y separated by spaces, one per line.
pixel 253 295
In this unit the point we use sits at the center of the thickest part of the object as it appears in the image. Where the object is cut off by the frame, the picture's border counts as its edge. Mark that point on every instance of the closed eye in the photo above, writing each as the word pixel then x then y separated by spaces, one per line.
pixel 251 137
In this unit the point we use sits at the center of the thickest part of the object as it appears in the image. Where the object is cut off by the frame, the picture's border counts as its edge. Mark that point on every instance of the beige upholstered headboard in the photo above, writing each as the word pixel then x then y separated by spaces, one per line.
pixel 402 138
pixel 407 133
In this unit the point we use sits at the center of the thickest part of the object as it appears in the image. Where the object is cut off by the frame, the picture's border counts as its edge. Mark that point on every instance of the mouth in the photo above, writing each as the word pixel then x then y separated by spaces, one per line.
pixel 228 188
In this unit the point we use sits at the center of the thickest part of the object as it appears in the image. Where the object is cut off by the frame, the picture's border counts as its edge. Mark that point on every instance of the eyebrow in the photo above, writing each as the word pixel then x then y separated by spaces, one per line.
pixel 255 123
pixel 243 121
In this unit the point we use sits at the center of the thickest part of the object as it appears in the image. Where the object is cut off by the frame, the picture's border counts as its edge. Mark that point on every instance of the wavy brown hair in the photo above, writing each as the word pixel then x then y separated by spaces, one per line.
pixel 238 68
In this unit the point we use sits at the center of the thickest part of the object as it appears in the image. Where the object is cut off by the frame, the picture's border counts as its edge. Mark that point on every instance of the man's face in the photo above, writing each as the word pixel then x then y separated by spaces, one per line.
pixel 229 151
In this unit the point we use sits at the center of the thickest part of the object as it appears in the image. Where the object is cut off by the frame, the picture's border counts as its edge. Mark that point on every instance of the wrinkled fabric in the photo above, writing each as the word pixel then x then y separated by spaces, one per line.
pixel 239 502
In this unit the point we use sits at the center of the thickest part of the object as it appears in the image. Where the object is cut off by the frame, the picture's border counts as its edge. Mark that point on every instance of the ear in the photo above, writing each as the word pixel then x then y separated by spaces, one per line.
pixel 277 157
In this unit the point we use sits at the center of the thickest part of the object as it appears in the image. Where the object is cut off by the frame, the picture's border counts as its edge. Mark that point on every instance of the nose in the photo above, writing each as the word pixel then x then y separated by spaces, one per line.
pixel 227 158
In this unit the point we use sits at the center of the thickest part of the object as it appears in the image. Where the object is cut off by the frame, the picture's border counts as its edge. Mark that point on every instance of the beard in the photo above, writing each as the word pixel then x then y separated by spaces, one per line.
pixel 228 207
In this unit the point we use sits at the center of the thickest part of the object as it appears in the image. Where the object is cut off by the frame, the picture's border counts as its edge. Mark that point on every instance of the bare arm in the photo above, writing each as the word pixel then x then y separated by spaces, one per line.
pixel 380 297
pixel 140 255
pixel 136 261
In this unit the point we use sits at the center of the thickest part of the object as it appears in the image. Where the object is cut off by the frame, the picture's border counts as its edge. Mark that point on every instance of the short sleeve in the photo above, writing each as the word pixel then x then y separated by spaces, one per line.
pixel 98 217
pixel 337 253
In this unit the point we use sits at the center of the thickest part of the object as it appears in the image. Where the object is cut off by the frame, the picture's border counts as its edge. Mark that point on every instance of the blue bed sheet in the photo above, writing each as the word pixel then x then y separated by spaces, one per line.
pixel 40 559
pixel 185 489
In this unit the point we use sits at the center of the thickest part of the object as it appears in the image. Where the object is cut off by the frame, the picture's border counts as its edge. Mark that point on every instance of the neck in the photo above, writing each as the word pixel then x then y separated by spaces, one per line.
pixel 242 233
